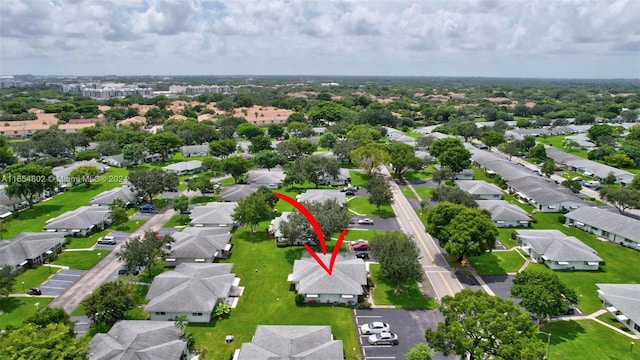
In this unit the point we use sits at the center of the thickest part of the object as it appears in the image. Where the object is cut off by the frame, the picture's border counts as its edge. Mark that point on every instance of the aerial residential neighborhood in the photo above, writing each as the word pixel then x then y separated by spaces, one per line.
pixel 466 187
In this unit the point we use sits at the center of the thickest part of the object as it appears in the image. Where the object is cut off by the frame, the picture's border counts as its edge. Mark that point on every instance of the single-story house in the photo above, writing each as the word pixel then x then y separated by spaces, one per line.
pixel 506 169
pixel 237 192
pixel 126 194
pixel 344 285
pixel 81 221
pixel 301 342
pixel 327 154
pixel 623 302
pixel 192 290
pixel 544 194
pixel 587 167
pixel 504 214
pixel 274 232
pixel 139 339
pixel 557 250
pixel 480 189
pixel 62 173
pixel 582 140
pixel 605 224
pixel 214 214
pixel 9 204
pixel 29 248
pixel 151 158
pixel 343 178
pixel 466 174
pixel 195 150
pixel 198 245
pixel 115 160
pixel 184 167
pixel 272 179
pixel 319 195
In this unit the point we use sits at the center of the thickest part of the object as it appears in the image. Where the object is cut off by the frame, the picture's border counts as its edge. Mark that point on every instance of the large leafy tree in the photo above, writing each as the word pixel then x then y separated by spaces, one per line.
pixel 379 191
pixel 134 153
pixel 252 210
pixel 543 293
pixel 109 303
pixel 482 326
pixel 51 315
pixel 456 158
pixel 289 150
pixel 370 157
pixel 153 181
pixel 269 159
pixel 421 351
pixel 236 166
pixel 399 258
pixel 260 143
pixel 313 169
pixel 343 148
pixel 471 232
pixel 222 148
pixel 7 279
pixel 439 216
pixel 363 134
pixel 425 141
pixel 331 217
pixel 249 131
pixel 181 204
pixel 453 195
pixel 622 199
pixel 492 138
pixel 439 146
pixel 467 129
pixel 328 140
pixel 144 251
pixel 598 131
pixel 31 341
pixel 165 144
pixel 84 175
pixel 403 158
pixel 548 167
pixel 29 181
pixel 201 184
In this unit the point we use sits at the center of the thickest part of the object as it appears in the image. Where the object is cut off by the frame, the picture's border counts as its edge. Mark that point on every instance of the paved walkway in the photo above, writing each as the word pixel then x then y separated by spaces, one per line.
pixel 594 317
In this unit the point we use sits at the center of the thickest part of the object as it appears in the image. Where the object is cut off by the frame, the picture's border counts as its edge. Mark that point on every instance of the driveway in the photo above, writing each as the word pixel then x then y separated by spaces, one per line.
pixel 82 325
pixel 119 237
pixel 408 324
pixel 139 215
pixel 501 286
pixel 386 224
pixel 60 282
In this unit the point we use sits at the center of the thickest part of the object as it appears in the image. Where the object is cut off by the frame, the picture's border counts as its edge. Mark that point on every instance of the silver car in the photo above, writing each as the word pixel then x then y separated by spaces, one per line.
pixel 374 327
pixel 385 338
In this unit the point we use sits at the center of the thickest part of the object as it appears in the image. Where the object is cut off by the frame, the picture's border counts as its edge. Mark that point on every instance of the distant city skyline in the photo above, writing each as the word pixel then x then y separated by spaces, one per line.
pixel 472 38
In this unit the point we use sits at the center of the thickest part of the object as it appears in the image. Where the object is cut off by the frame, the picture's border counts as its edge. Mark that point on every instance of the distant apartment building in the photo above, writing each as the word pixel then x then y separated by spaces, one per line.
pixel 9 81
pixel 106 91
pixel 199 89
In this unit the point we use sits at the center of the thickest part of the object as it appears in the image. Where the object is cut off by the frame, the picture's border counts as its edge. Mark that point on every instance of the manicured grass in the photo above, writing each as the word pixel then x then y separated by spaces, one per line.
pixel 227 182
pixel 353 234
pixel 504 235
pixel 177 220
pixel 360 204
pixel 586 339
pixel 358 178
pixel 84 242
pixel 81 260
pixel 418 175
pixel 557 142
pixel 497 262
pixel 202 199
pixel 424 192
pixel 32 278
pixel 384 293
pixel 129 226
pixel 78 311
pixel 407 192
pixel 268 299
pixel 16 310
pixel 609 319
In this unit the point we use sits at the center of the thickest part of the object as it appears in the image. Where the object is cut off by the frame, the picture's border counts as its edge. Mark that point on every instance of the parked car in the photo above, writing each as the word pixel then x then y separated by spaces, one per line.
pixel 146 208
pixel 571 310
pixel 34 291
pixel 107 240
pixel 362 255
pixel 126 271
pixel 365 221
pixel 350 193
pixel 385 338
pixel 374 327
pixel 360 245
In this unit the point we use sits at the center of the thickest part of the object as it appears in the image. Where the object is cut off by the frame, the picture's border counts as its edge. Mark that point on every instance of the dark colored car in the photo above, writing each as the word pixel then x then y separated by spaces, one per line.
pixel 362 255
pixel 126 271
pixel 350 193
pixel 146 208
pixel 34 291
pixel 360 245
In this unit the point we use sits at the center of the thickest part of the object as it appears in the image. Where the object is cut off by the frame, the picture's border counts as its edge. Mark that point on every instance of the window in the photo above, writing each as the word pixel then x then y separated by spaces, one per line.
pixel 160 313
pixel 196 314
pixel 312 295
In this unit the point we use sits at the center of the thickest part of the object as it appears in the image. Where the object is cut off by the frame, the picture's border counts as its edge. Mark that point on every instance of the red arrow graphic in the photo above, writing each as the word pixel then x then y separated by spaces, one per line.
pixel 316 227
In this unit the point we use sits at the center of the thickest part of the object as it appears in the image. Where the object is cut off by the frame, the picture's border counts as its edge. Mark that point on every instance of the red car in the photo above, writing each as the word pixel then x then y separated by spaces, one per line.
pixel 360 245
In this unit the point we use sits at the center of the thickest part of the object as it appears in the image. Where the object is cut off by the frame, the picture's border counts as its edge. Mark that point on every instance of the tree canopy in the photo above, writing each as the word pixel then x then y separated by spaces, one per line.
pixel 379 191
pixel 236 166
pixel 331 216
pixel 29 181
pixel 144 251
pixel 153 181
pixel 543 294
pixel 370 157
pixel 399 258
pixel 31 341
pixel 109 303
pixel 313 169
pixel 252 210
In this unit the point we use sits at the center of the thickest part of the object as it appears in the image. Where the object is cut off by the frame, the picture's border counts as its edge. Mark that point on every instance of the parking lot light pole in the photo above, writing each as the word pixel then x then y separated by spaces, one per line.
pixel 548 342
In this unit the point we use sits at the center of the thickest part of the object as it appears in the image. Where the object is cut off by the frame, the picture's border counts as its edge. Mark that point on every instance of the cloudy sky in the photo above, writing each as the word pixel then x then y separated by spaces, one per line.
pixel 513 38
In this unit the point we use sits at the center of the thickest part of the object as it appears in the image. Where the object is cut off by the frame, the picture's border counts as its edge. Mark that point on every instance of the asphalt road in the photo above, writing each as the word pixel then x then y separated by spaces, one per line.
pixel 443 280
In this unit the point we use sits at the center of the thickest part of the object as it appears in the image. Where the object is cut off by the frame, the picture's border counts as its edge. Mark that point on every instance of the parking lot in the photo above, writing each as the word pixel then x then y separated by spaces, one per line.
pixel 61 281
pixel 409 325
pixel 385 224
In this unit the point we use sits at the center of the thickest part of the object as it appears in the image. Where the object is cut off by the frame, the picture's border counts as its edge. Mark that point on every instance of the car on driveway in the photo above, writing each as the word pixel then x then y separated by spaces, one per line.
pixel 362 255
pixel 360 245
pixel 375 327
pixel 366 221
pixel 34 291
pixel 146 208
pixel 107 240
pixel 385 338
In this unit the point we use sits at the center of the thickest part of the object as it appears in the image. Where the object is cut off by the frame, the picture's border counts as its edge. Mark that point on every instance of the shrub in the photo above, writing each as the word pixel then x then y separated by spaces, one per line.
pixel 562 219
pixel 363 305
pixel 299 300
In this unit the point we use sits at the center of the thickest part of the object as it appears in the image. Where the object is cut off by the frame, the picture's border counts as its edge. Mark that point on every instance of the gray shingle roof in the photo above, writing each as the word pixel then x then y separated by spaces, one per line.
pixel 27 246
pixel 478 187
pixel 126 194
pixel 501 210
pixel 315 195
pixel 608 221
pixel 508 170
pixel 554 245
pixel 266 177
pixel 119 158
pixel 542 191
pixel 184 166
pixel 272 342
pixel 199 242
pixel 190 287
pixel 194 149
pixel 237 192
pixel 624 297
pixel 275 223
pixel 62 172
pixel 213 213
pixel 349 275
pixel 139 340
pixel 83 217
pixel 6 200
pixel 596 168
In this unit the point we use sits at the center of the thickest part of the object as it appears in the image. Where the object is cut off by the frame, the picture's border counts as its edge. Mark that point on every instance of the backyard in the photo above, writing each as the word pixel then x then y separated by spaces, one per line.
pixel 497 262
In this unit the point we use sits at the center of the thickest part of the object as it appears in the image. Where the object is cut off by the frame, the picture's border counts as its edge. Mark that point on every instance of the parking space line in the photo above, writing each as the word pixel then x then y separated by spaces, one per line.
pixel 69 281
pixel 368 316
pixel 380 357
pixel 51 287
pixel 376 346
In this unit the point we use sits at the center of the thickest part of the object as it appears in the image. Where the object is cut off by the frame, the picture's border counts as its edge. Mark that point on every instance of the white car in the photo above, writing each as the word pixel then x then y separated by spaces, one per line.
pixel 383 339
pixel 365 221
pixel 107 240
pixel 374 327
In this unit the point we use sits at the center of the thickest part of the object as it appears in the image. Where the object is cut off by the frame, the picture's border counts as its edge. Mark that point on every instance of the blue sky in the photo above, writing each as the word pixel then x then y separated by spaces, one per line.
pixel 516 38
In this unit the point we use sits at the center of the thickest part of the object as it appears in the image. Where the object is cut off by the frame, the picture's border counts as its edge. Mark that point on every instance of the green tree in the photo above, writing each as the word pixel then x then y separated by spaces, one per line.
pixel 419 352
pixel 548 167
pixel 399 258
pixel 467 129
pixel 363 134
pixel 269 159
pixel 456 158
pixel 275 131
pixel 249 131
pixel 222 148
pixel 119 216
pixel 270 198
pixel 7 279
pixel 28 181
pixel 370 157
pixel 635 183
pixel 543 294
pixel 439 146
pixel 598 131
pixel 453 195
pixel 527 143
pixel 289 150
pixel 4 228
pixel 331 216
pixel 538 152
pixel 181 204
pixel 236 166
pixel 482 326
pixel 6 157
pixel 403 158
pixel 439 216
pixel 109 303
pixel 252 210
pixel 379 191
pixel 165 144
pixel 621 199
pixel 30 341
pixel 134 154
pixel 328 140
pixel 471 232
pixel 50 315
pixel 574 186
pixel 425 141
pixel 511 148
pixel 84 175
pixel 343 148
pixel 306 146
pixel 313 169
pixel 152 182
pixel 145 251
pixel 492 138
pixel 442 173
pixel 181 322
pixel 610 179
pixel 619 160
pixel 260 143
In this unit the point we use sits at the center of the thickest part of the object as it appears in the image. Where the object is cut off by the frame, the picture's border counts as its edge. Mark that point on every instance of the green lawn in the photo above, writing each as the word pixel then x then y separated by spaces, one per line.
pixel 418 175
pixel 268 299
pixel 129 226
pixel 202 199
pixel 32 278
pixel 360 204
pixel 504 235
pixel 384 293
pixel 609 319
pixel 408 193
pixel 424 192
pixel 81 260
pixel 15 310
pixel 586 339
pixel 497 262
pixel 357 234
pixel 358 178
pixel 177 220
pixel 557 142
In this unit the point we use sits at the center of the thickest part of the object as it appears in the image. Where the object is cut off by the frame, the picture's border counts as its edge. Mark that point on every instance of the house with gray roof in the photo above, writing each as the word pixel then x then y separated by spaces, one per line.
pixel 507 170
pixel 587 167
pixel 480 189
pixel 273 179
pixel 557 250
pixel 623 302
pixel 319 195
pixel 9 204
pixel 504 214
pixel 126 194
pixel 184 167
pixel 81 221
pixel 192 290
pixel 237 192
pixel 198 245
pixel 29 248
pixel 214 214
pixel 272 342
pixel 139 340
pixel 195 150
pixel 115 160
pixel 275 232
pixel 62 173
pixel 344 285
pixel 544 194
pixel 342 178
pixel 609 225
pixel 466 174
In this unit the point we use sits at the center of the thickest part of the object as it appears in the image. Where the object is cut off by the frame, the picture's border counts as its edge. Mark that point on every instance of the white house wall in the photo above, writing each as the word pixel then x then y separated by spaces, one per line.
pixel 171 316
pixel 576 265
